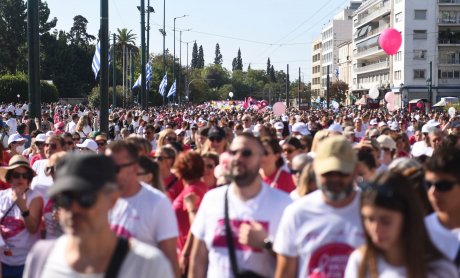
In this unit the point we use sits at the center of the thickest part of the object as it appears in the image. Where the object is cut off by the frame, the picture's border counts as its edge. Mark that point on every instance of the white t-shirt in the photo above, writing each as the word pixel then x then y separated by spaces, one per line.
pixel 321 236
pixel 447 241
pixel 12 126
pixel 436 269
pixel 147 216
pixel 142 260
pixel 13 229
pixel 41 182
pixel 71 127
pixel 209 226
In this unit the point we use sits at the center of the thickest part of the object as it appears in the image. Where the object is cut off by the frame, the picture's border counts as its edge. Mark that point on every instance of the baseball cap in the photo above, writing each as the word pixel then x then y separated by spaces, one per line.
pixel 335 128
pixel 394 126
pixel 83 173
pixel 16 138
pixel 278 125
pixel 373 122
pixel 216 132
pixel 300 127
pixel 40 137
pixel 349 130
pixel 285 118
pixel 89 144
pixel 386 141
pixel 335 154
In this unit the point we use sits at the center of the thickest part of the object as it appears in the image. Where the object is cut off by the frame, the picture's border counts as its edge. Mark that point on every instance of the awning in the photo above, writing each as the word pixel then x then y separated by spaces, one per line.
pixel 417 100
pixel 441 103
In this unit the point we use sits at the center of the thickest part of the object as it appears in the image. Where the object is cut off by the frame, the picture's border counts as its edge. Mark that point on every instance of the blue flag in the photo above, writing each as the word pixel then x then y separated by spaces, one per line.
pixel 148 74
pixel 163 84
pixel 97 60
pixel 172 90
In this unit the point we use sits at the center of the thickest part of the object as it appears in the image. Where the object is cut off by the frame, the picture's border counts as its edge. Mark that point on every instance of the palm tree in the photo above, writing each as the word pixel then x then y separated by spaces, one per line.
pixel 125 45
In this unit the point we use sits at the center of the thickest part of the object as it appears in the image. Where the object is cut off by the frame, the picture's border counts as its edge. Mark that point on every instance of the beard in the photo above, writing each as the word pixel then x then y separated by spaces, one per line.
pixel 243 176
pixel 336 191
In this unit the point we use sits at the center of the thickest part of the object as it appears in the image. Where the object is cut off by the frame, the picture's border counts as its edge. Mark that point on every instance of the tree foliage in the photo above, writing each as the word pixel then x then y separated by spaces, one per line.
pixel 194 63
pixel 200 64
pixel 78 34
pixel 218 55
pixel 237 63
pixel 337 91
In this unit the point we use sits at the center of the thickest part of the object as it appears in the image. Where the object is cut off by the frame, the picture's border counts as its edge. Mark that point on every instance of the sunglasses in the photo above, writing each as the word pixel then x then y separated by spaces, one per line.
pixel 50 170
pixel 39 144
pixel 244 152
pixel 121 166
pixel 51 145
pixel 386 149
pixel 16 175
pixel 335 173
pixel 216 139
pixel 441 186
pixel 101 143
pixel 294 172
pixel 148 132
pixel 85 199
pixel 161 158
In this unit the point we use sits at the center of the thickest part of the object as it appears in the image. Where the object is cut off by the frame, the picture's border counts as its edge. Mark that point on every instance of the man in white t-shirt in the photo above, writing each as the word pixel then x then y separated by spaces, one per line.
pixel 443 184
pixel 254 210
pixel 85 191
pixel 318 232
pixel 142 212
pixel 71 126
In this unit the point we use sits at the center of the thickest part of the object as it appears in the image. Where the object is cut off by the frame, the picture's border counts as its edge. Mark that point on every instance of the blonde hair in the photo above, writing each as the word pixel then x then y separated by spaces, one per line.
pixel 162 135
pixel 307 180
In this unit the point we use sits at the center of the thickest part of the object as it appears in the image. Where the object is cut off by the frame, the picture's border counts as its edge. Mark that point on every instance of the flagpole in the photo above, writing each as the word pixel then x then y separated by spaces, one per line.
pixel 104 41
pixel 143 80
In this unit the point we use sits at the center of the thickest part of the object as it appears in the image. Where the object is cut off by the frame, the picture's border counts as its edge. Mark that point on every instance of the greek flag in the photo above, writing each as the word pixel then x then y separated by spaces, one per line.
pixel 148 74
pixel 163 84
pixel 172 91
pixel 97 60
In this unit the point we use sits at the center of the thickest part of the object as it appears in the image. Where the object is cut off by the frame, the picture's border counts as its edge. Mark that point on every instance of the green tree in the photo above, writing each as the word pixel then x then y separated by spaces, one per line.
pixel 78 34
pixel 269 66
pixel 249 67
pixel 337 91
pixel 216 75
pixel 237 63
pixel 200 58
pixel 218 58
pixel 194 62
pixel 272 74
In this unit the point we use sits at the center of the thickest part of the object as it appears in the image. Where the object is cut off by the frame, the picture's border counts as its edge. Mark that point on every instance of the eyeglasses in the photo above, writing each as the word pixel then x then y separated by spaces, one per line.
pixel 210 166
pixel 39 144
pixel 51 146
pixel 16 175
pixel 216 139
pixel 441 186
pixel 294 172
pixel 386 149
pixel 101 143
pixel 121 166
pixel 161 158
pixel 85 200
pixel 49 170
pixel 244 152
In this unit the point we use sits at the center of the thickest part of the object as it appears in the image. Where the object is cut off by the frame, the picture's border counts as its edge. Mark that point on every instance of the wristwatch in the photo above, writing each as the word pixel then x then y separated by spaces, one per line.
pixel 268 244
pixel 25 213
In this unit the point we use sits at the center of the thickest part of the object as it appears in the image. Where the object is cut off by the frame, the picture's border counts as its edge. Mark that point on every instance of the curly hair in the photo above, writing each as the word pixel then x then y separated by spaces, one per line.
pixel 189 166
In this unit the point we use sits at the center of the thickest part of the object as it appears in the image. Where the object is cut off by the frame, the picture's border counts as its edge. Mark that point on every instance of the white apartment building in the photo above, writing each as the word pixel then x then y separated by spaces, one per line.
pixel 316 87
pixel 408 73
pixel 335 32
pixel 344 65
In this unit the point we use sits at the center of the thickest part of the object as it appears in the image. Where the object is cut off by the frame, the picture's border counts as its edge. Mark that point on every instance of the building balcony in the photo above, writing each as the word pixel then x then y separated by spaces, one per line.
pixel 449 2
pixel 449 41
pixel 372 33
pixel 448 61
pixel 449 21
pixel 369 52
pixel 384 9
pixel 373 67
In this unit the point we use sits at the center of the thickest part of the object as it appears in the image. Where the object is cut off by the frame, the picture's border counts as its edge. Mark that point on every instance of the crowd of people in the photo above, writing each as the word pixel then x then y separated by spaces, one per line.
pixel 206 191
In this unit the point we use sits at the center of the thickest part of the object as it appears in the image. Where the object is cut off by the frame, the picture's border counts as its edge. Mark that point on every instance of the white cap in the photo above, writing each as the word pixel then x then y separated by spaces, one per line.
pixel 386 141
pixel 382 124
pixel 278 125
pixel 40 137
pixel 420 148
pixel 433 123
pixel 298 118
pixel 16 138
pixel 335 128
pixel 90 144
pixel 373 122
pixel 301 128
pixel 394 126
pixel 285 118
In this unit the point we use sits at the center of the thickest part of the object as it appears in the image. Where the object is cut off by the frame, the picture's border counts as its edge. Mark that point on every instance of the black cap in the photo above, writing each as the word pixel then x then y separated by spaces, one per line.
pixel 216 132
pixel 83 173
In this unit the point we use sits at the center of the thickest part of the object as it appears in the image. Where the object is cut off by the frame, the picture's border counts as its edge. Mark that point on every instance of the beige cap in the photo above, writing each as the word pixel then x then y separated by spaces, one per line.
pixel 386 141
pixel 335 154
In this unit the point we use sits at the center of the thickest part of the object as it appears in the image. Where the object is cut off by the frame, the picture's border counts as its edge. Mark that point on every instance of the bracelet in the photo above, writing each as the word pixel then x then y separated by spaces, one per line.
pixel 25 213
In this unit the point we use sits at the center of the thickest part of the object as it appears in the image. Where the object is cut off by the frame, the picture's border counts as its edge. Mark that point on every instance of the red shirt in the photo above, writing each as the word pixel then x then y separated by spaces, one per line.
pixel 284 182
pixel 199 188
pixel 173 187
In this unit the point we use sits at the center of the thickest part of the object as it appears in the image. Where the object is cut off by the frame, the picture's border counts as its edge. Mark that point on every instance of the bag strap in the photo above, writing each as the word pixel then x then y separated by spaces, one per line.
pixel 229 237
pixel 457 258
pixel 121 250
pixel 6 213
pixel 171 183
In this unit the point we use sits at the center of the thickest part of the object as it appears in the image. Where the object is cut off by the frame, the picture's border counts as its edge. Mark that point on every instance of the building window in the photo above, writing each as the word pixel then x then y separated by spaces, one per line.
pixel 398 17
pixel 398 56
pixel 398 75
pixel 419 14
pixel 419 54
pixel 398 1
pixel 420 35
pixel 419 74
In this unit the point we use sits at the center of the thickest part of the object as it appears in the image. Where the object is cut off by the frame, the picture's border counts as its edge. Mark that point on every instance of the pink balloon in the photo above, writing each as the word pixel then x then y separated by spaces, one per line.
pixel 420 105
pixel 390 107
pixel 390 41
pixel 263 103
pixel 279 108
pixel 389 96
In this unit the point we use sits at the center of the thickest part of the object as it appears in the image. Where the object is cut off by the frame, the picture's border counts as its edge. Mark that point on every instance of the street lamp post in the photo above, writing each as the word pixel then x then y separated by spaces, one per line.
pixel 144 49
pixel 174 47
pixel 429 84
pixel 180 61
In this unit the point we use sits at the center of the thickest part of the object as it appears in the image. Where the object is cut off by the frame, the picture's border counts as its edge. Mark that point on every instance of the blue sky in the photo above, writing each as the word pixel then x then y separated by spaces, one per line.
pixel 281 30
